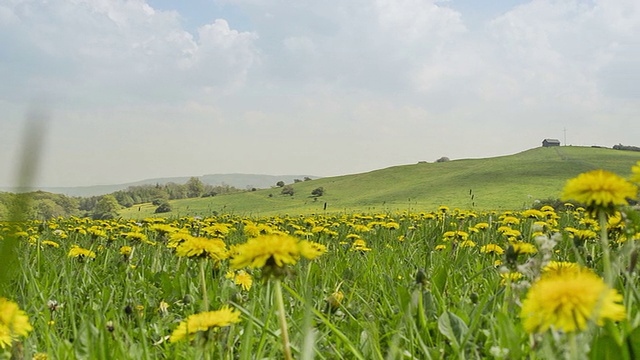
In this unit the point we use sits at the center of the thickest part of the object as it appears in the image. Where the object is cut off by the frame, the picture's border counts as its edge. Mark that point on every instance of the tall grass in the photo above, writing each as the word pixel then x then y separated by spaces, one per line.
pixel 110 307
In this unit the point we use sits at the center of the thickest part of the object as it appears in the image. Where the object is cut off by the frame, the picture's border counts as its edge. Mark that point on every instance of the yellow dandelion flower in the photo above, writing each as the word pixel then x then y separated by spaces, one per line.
pixel 523 248
pixel 599 189
pixel 360 245
pixel 203 247
pixel 482 226
pixel 492 249
pixel 440 247
pixel 51 243
pixel 188 328
pixel 559 267
pixel 466 243
pixel 569 301
pixel 335 300
pixel 125 250
pixel 278 249
pixel 243 279
pixel 13 323
pixel 81 253
pixel 510 277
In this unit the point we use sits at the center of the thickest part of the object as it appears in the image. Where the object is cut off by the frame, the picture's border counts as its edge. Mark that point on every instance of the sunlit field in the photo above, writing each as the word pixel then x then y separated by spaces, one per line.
pixel 449 283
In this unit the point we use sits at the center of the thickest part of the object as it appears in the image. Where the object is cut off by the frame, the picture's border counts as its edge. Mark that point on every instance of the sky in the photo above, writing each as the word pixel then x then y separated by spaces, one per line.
pixel 132 90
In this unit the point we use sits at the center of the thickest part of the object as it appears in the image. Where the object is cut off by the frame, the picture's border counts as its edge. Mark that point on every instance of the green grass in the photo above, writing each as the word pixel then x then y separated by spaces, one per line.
pixel 109 306
pixel 506 182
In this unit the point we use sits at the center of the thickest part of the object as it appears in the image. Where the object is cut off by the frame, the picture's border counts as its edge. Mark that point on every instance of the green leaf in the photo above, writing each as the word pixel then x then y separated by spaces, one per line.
pixel 605 347
pixel 453 328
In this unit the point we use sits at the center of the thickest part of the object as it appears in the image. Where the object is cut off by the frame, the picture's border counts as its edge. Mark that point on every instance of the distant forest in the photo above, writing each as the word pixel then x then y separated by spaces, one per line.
pixel 44 205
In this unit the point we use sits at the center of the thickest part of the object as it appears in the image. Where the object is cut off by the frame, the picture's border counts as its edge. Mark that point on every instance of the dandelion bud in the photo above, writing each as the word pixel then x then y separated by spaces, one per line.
pixel 421 277
pixel 473 297
pixel 110 326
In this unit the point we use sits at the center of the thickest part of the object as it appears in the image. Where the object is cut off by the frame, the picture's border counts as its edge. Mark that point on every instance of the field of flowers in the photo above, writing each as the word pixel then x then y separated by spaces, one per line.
pixel 537 283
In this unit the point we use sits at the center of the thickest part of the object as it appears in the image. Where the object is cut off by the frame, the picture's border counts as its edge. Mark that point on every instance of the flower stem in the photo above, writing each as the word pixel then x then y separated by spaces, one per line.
pixel 205 297
pixel 604 241
pixel 283 321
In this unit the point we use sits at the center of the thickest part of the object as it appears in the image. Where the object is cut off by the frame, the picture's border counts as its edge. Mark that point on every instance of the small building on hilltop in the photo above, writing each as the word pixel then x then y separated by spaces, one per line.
pixel 550 142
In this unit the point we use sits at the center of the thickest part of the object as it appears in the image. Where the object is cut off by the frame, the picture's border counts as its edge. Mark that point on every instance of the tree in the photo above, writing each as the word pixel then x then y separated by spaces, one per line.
pixel 317 191
pixel 306 178
pixel 443 159
pixel 195 187
pixel 106 208
pixel 287 190
pixel 280 183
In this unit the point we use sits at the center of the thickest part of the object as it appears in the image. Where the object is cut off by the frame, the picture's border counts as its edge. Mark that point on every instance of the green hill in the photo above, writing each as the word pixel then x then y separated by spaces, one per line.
pixel 501 183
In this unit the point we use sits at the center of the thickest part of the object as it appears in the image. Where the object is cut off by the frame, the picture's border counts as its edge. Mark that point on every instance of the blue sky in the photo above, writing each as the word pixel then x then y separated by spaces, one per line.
pixel 142 89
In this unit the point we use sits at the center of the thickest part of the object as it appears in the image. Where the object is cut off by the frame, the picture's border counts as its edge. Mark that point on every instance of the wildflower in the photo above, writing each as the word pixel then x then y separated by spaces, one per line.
pixel 243 279
pixel 440 247
pixel 278 250
pixel 334 300
pixel 125 251
pixel 80 253
pixel 492 248
pixel 204 321
pixel 13 323
pixel 523 248
pixel 310 249
pixel 599 189
pixel 202 247
pixel 467 243
pixel 568 301
pixel 509 277
pixel 360 245
pixel 51 243
pixel 482 226
pixel 559 267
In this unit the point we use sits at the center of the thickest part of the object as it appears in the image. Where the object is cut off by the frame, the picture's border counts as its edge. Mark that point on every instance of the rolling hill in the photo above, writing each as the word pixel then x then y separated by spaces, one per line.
pixel 501 183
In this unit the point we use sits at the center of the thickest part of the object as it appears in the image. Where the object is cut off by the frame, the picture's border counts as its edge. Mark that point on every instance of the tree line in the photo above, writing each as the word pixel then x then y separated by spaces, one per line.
pixel 44 205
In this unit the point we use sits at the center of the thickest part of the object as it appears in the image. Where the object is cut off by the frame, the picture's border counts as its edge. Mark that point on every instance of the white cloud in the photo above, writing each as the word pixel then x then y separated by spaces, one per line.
pixel 312 87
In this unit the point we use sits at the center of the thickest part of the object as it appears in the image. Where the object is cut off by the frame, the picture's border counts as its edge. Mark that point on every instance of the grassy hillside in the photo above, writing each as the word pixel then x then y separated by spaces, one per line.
pixel 500 183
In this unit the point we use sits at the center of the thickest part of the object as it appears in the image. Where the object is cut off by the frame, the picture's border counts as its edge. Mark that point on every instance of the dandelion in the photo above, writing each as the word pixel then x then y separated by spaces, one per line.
pixel 599 189
pixel 50 243
pixel 204 321
pixel 360 245
pixel 125 251
pixel 520 248
pixel 509 277
pixel 243 279
pixel 559 267
pixel 334 301
pixel 197 247
pixel 569 301
pixel 13 323
pixel 492 249
pixel 273 250
pixel 81 253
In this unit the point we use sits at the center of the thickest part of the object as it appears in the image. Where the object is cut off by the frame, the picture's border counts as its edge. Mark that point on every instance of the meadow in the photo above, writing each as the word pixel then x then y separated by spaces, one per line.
pixel 511 182
pixel 445 283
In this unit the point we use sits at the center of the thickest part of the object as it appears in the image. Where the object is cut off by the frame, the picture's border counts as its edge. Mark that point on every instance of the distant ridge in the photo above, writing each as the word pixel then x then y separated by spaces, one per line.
pixel 240 181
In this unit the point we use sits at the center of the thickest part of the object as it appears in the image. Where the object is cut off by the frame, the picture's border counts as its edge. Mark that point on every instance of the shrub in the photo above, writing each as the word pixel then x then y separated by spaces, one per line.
pixel 317 191
pixel 163 208
pixel 287 190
